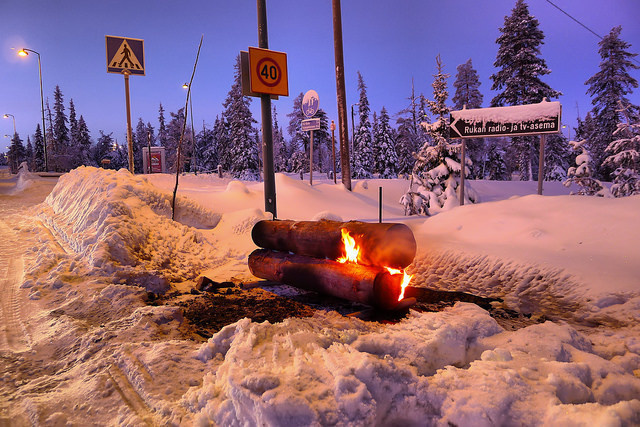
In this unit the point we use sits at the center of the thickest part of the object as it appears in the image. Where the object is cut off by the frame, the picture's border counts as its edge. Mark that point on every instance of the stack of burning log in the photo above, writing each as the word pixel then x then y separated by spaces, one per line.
pixel 357 261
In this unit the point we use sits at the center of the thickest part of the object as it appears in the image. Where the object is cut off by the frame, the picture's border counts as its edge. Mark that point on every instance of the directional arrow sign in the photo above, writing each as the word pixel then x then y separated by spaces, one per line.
pixel 532 119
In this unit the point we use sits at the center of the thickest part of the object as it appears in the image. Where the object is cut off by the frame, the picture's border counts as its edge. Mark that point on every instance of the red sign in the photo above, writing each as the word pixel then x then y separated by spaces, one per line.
pixel 156 162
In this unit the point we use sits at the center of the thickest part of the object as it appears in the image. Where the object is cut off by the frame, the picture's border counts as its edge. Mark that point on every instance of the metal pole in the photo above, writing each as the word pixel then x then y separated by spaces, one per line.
pixel 333 148
pixel 267 130
pixel 380 204
pixel 341 93
pixel 462 170
pixel 44 135
pixel 311 160
pixel 149 148
pixel 541 164
pixel 129 136
pixel 193 142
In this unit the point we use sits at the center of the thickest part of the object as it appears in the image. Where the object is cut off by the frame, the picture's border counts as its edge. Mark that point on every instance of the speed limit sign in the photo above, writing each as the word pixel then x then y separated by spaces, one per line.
pixel 268 71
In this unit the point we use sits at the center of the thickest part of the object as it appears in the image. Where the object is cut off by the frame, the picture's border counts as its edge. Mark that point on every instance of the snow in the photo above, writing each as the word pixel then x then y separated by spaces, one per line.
pixel 81 343
pixel 511 114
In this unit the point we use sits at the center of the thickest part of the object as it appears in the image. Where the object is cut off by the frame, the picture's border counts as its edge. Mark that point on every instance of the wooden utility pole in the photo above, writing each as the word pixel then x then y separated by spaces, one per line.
pixel 341 93
pixel 267 129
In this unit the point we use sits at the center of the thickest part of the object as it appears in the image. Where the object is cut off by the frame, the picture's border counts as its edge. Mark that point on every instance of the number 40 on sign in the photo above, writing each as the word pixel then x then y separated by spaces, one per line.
pixel 268 72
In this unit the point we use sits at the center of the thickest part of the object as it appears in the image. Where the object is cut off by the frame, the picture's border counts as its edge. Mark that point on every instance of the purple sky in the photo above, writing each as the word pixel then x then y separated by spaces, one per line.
pixel 389 42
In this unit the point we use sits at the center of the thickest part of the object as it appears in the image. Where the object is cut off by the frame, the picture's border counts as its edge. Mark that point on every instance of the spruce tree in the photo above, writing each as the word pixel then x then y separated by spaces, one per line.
pixel 467 95
pixel 518 82
pixel 581 174
pixel 139 142
pixel 299 139
pixel 495 168
pixel 29 155
pixel 16 154
pixel 609 88
pixel 104 147
pixel 162 128
pixel 61 132
pixel 280 152
pixel 435 176
pixel 173 136
pixel 84 142
pixel 362 165
pixel 243 151
pixel 74 148
pixel 206 160
pixel 411 135
pixel 38 150
pixel 221 137
pixel 624 157
pixel 386 158
pixel 556 158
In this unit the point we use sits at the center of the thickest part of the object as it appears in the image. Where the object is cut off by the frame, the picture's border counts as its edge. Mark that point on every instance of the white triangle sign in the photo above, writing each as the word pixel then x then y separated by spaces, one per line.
pixel 125 58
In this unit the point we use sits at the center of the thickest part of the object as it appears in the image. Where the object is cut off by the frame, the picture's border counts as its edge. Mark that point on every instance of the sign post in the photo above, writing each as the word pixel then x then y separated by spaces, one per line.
pixel 333 148
pixel 126 56
pixel 310 104
pixel 267 78
pixel 520 120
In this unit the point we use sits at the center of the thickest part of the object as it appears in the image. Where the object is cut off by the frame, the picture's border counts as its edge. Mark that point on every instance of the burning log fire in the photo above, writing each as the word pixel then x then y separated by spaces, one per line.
pixel 365 264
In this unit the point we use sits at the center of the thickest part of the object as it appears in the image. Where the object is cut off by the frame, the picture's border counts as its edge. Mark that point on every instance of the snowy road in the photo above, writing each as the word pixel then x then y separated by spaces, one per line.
pixel 13 335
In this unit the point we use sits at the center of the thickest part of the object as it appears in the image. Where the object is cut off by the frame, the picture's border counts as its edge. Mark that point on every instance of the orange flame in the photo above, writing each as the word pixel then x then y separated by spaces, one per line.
pixel 405 280
pixel 350 248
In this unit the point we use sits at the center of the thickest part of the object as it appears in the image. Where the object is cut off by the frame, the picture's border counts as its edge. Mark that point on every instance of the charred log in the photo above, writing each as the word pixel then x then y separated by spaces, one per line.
pixel 386 244
pixel 355 282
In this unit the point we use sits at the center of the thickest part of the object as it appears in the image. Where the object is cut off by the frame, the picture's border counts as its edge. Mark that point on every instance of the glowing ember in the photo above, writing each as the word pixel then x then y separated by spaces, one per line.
pixel 405 280
pixel 350 248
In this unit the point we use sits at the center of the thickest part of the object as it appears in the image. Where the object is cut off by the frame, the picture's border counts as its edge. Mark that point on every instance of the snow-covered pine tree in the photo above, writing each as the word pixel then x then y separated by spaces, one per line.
pixel 38 150
pixel 385 156
pixel 173 132
pixel 280 151
pixel 205 153
pixel 74 153
pixel 104 147
pixel 362 164
pixel 16 154
pixel 468 95
pixel 61 133
pixel 411 136
pixel 29 154
pixel 139 142
pixel 518 78
pixel 580 174
pixel 495 167
pixel 242 148
pixel 609 87
pixel 556 157
pixel 299 139
pixel 221 136
pixel 436 173
pixel 624 157
pixel 84 142
pixel 162 127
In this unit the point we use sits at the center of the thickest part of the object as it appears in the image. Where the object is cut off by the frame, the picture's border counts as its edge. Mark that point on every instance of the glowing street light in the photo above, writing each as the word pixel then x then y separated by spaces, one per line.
pixel 6 116
pixel 25 52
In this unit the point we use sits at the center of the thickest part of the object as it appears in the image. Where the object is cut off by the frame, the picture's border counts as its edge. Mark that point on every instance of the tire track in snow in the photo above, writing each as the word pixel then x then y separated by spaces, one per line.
pixel 129 395
pixel 13 333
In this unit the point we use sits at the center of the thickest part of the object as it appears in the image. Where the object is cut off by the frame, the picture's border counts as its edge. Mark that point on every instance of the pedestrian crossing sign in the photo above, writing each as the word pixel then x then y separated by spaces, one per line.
pixel 125 54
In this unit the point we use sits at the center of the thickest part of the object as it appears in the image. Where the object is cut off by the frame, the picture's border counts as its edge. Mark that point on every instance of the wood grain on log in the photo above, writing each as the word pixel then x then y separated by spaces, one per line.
pixel 384 245
pixel 355 282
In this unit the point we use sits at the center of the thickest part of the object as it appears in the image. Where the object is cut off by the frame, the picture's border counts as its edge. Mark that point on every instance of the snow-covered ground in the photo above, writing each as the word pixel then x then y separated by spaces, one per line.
pixel 79 344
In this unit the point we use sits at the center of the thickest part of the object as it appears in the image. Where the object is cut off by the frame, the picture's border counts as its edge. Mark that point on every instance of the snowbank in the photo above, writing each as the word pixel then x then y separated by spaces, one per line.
pixel 121 224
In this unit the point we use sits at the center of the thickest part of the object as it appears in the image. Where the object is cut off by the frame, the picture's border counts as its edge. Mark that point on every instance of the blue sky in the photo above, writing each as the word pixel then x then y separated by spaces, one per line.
pixel 388 42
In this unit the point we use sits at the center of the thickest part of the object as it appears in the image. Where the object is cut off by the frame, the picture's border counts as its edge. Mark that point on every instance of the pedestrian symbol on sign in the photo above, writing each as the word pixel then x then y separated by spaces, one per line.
pixel 127 58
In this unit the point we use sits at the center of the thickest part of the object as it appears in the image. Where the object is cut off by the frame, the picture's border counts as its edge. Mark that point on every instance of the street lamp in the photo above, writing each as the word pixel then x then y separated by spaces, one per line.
pixel 568 130
pixel 6 116
pixel 25 52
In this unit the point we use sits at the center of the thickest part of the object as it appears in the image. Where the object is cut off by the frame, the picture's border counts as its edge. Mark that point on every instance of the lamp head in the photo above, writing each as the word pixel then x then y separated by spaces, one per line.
pixel 23 52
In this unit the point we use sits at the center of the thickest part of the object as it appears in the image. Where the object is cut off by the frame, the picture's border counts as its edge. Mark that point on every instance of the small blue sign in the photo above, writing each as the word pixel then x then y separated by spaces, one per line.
pixel 310 124
pixel 310 103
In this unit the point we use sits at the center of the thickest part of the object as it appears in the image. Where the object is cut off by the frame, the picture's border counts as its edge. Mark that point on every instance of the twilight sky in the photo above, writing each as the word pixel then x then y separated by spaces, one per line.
pixel 389 42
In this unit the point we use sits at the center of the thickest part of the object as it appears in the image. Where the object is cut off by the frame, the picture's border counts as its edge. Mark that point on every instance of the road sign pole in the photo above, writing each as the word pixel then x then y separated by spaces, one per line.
pixel 333 148
pixel 267 135
pixel 311 159
pixel 129 138
pixel 341 92
pixel 541 164
pixel 462 168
